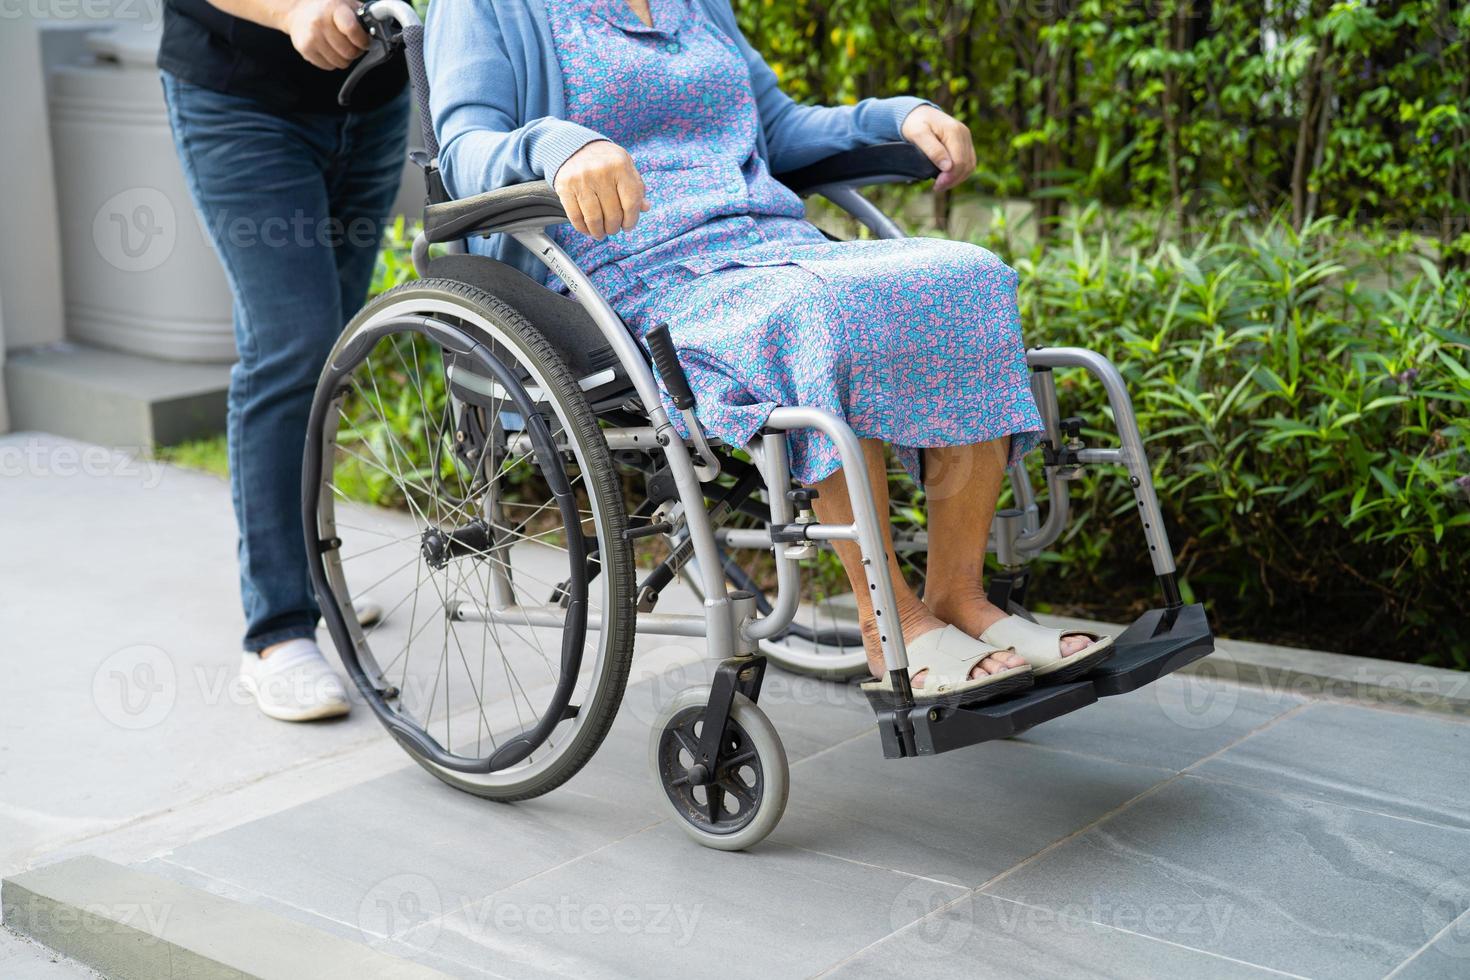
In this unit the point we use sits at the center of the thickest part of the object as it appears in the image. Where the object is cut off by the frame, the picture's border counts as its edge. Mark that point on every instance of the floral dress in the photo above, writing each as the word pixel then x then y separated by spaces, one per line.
pixel 915 341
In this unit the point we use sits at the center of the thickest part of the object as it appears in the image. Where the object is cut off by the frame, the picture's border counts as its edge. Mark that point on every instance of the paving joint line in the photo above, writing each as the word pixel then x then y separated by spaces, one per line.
pixel 826 971
pixel 1432 940
pixel 1143 935
pixel 253 893
pixel 443 917
pixel 876 867
pixel 364 745
pixel 1156 787
pixel 1308 798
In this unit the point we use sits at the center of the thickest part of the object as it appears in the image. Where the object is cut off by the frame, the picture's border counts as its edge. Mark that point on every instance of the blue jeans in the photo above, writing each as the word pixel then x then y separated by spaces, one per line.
pixel 295 204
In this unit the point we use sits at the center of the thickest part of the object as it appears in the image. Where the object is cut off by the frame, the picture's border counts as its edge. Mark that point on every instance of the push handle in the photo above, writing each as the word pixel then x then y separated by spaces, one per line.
pixel 666 359
pixel 381 49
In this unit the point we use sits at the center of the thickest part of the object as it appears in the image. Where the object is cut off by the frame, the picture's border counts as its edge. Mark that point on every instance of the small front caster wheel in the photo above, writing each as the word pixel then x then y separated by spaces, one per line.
pixel 741 801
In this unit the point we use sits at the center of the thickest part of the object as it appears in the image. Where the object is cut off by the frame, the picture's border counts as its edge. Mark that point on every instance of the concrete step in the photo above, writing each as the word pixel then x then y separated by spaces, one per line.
pixel 127 923
pixel 114 399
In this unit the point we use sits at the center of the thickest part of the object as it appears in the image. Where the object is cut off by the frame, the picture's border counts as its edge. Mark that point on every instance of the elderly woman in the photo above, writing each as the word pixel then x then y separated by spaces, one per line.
pixel 659 127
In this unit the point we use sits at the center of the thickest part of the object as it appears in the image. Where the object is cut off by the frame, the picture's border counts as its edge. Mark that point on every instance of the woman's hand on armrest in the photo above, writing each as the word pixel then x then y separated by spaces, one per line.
pixel 945 141
pixel 601 189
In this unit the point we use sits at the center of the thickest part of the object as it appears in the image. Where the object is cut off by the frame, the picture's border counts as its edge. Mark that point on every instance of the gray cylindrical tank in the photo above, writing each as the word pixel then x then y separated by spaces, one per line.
pixel 140 275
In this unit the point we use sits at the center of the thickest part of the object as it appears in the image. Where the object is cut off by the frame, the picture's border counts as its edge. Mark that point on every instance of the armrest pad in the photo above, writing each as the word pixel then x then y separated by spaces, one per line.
pixel 535 202
pixel 882 163
pixel 531 203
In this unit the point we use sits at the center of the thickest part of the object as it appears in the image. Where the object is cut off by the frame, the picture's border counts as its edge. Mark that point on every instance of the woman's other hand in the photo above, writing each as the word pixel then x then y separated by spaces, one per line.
pixel 326 32
pixel 601 190
pixel 945 141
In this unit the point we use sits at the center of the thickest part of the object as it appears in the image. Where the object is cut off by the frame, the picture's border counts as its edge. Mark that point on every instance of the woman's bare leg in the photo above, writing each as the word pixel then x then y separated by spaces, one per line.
pixel 962 485
pixel 833 506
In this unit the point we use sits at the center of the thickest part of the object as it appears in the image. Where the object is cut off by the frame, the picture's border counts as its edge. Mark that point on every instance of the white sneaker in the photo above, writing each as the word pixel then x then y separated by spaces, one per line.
pixel 294 683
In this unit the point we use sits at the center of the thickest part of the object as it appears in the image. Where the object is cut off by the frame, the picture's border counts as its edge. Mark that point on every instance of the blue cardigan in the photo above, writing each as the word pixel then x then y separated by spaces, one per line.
pixel 496 95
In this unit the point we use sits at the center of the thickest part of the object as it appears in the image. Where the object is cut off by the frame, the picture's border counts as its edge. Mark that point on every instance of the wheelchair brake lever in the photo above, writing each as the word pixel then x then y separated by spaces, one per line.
pixel 676 382
pixel 666 358
pixel 381 49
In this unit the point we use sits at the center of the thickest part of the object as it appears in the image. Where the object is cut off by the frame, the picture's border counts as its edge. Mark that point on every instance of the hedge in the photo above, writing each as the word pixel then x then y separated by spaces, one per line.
pixel 1352 109
pixel 1306 406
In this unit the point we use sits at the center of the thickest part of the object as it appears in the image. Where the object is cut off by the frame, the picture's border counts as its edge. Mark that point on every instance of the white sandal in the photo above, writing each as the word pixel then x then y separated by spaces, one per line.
pixel 1041 647
pixel 949 654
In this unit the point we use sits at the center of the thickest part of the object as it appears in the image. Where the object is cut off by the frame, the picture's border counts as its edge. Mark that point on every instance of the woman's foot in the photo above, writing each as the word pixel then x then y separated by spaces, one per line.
pixel 946 663
pixel 975 614
pixel 916 622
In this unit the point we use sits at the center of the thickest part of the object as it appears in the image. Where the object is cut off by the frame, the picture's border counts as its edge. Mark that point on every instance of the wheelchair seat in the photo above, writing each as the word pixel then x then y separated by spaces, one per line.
pixel 562 319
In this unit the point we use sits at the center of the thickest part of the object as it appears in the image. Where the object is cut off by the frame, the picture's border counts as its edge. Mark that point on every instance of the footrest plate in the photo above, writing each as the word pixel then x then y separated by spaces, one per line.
pixel 1152 647
pixel 1158 643
pixel 939 730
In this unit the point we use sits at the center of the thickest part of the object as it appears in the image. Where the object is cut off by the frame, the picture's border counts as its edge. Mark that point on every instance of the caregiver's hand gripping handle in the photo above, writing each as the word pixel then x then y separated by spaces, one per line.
pixel 324 32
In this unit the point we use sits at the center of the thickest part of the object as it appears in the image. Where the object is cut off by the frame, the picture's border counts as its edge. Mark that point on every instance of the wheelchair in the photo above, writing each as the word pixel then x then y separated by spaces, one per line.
pixel 548 503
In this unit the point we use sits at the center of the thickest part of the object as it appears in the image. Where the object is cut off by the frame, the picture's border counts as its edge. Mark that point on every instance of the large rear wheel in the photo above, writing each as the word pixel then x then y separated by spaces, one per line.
pixel 496 548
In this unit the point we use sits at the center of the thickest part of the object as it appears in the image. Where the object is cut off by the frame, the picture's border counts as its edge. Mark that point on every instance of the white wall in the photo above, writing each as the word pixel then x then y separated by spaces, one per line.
pixel 30 258
pixel 30 255
pixel 30 261
pixel 4 404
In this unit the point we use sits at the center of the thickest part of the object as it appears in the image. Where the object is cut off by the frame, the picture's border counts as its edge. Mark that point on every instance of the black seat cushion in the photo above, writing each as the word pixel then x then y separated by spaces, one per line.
pixel 561 318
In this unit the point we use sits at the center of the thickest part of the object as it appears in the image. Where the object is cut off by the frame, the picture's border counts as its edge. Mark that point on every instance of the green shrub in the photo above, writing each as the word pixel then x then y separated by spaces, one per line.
pixel 1345 108
pixel 1305 404
pixel 209 454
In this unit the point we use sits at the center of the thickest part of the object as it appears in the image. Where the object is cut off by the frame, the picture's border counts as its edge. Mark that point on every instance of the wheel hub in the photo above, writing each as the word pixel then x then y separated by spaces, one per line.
pixel 728 791
pixel 440 546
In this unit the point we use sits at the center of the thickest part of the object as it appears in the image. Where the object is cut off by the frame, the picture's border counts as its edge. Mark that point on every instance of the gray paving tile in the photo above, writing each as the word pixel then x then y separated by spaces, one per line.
pixel 430 958
pixel 961 817
pixel 658 905
pixel 144 677
pixel 193 878
pixel 1448 956
pixel 1409 765
pixel 346 930
pixel 1173 723
pixel 985 936
pixel 1286 882
pixel 393 852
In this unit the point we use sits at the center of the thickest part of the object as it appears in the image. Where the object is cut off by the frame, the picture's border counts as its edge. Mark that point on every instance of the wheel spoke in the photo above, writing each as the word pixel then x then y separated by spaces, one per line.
pixel 735 762
pixel 739 791
pixel 687 742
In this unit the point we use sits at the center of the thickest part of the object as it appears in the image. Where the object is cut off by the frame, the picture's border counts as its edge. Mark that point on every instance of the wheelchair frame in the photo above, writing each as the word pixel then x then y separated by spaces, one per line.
pixel 1159 642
